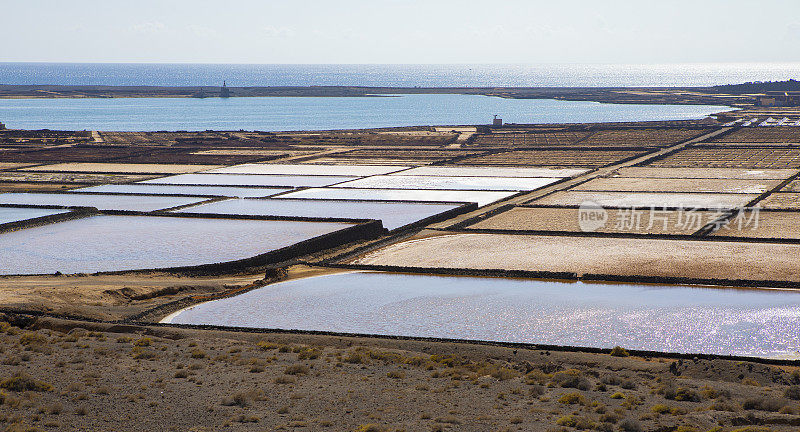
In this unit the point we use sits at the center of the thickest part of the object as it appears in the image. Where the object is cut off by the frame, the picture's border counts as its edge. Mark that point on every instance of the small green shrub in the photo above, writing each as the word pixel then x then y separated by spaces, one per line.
pixel 21 383
pixel 267 346
pixel 576 422
pixel 296 369
pixel 571 378
pixel 572 399
pixel 396 374
pixel 618 351
pixel 143 342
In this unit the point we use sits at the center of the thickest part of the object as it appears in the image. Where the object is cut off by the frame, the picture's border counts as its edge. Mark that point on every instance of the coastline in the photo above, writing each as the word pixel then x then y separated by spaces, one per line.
pixel 618 95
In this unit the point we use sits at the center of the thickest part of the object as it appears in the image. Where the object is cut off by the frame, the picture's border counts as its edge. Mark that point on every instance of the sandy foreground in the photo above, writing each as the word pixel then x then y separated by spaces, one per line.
pixel 68 375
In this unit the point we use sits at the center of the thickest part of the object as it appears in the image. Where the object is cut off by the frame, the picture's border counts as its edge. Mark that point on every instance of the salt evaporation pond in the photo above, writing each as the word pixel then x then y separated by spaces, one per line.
pixel 392 214
pixel 308 169
pixel 450 183
pixel 13 214
pixel 102 202
pixel 481 197
pixel 652 317
pixel 226 191
pixel 249 180
pixel 647 199
pixel 111 243
pixel 474 171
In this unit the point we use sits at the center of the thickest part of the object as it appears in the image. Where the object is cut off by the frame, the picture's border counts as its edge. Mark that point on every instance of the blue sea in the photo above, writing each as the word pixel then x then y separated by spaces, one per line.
pixel 319 113
pixel 465 75
pixel 287 114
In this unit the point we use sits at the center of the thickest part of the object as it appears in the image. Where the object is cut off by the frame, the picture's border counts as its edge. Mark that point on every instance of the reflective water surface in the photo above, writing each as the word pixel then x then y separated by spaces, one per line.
pixel 450 183
pixel 11 214
pixel 392 214
pixel 110 243
pixel 101 202
pixel 307 169
pixel 228 191
pixel 319 113
pixel 249 180
pixel 480 197
pixel 664 318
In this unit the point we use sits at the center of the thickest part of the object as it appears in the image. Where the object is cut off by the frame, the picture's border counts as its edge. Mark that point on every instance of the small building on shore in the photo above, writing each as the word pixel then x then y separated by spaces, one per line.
pixel 779 99
pixel 224 91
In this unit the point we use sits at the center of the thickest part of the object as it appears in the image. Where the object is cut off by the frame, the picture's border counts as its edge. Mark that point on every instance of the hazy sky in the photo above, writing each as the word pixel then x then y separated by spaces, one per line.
pixel 401 31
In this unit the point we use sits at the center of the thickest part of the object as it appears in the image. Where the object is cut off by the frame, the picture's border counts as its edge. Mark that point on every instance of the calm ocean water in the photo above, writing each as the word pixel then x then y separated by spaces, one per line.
pixel 559 75
pixel 310 113
pixel 276 114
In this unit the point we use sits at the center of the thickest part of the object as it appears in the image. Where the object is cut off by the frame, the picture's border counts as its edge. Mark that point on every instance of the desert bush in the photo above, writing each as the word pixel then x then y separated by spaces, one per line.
pixel 681 394
pixel 663 409
pixel 576 422
pixel 788 409
pixel 54 409
pixel 765 404
pixel 609 417
pixel 793 392
pixel 308 353
pixel 535 377
pixel 241 418
pixel 296 369
pixel 610 379
pixel 504 373
pixel 284 380
pixel 536 390
pixel 618 351
pixel 197 354
pixel 753 429
pixel 369 428
pixel 572 398
pixel 21 383
pixel 724 406
pixel 241 399
pixel 140 353
pixel 448 420
pixel 32 338
pixel 354 357
pixel 267 346
pixel 751 382
pixel 396 374
pixel 630 425
pixel 571 378
pixel 631 401
pixel 143 342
